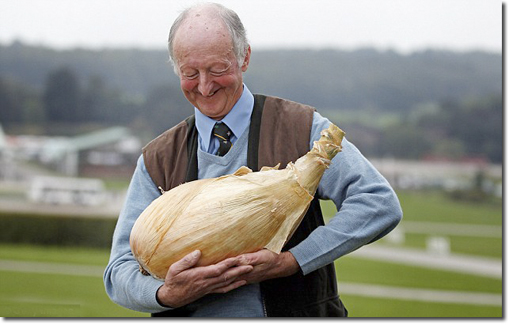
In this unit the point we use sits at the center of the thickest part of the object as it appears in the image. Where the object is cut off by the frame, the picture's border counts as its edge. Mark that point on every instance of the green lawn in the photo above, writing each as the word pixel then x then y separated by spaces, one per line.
pixel 32 294
pixel 437 207
pixel 84 296
pixel 374 307
pixel 431 207
pixel 349 269
pixel 48 295
pixel 26 294
pixel 356 270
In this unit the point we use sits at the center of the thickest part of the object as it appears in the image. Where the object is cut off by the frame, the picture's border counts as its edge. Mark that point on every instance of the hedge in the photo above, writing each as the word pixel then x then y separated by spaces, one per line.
pixel 52 230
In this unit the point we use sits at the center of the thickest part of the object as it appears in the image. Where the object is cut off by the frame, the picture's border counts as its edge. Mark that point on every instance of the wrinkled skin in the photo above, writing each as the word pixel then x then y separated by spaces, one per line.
pixel 210 76
pixel 185 282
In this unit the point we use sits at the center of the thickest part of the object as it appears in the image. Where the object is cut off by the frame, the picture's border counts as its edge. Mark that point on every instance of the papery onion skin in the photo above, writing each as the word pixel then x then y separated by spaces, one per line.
pixel 232 214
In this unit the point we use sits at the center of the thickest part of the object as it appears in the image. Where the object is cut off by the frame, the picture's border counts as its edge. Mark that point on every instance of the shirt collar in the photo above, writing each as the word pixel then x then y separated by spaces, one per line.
pixel 237 119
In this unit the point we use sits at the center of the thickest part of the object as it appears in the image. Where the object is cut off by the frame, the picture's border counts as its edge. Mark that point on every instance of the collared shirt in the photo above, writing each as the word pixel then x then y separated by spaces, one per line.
pixel 237 120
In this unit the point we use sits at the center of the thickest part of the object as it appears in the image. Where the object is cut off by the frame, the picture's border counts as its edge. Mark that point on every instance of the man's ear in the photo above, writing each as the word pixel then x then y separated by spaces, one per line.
pixel 245 64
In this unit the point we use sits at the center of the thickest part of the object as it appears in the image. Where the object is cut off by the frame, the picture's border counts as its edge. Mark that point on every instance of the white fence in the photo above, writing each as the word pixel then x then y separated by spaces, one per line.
pixel 65 190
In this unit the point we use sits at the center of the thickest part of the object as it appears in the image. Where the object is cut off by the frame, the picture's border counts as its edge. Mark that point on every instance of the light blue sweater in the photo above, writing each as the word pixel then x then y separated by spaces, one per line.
pixel 367 210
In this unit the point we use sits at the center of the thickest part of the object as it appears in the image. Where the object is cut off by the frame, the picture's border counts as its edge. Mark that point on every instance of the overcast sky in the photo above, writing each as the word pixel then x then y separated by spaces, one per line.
pixel 403 25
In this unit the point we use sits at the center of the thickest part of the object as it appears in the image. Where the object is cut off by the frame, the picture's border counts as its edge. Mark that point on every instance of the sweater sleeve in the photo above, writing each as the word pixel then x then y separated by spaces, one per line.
pixel 368 208
pixel 124 284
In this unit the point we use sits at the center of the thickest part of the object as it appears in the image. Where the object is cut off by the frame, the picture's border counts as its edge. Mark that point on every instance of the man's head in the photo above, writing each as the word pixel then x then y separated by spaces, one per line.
pixel 209 50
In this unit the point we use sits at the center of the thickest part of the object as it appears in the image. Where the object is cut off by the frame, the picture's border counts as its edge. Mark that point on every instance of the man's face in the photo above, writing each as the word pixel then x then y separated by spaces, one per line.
pixel 210 76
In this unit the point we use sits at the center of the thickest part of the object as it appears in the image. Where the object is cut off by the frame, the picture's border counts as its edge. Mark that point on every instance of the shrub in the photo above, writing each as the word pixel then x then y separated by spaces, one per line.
pixel 52 230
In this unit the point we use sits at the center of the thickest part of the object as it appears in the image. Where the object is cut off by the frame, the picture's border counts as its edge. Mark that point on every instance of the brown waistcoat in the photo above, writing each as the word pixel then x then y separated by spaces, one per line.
pixel 279 133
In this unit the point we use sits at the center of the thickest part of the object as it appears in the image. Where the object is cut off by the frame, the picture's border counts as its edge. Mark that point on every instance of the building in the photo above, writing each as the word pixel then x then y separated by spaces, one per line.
pixel 107 152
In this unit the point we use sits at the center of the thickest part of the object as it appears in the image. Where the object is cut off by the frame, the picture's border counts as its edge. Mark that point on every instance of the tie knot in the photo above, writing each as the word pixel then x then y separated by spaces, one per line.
pixel 222 132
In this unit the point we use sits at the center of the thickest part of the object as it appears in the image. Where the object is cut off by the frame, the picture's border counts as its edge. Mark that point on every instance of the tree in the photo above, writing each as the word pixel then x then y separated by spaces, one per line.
pixel 62 96
pixel 165 106
pixel 19 104
pixel 404 140
pixel 479 124
pixel 11 111
pixel 94 100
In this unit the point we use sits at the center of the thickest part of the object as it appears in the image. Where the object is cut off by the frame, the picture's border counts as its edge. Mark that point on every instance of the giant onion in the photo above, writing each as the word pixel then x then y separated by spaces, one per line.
pixel 232 214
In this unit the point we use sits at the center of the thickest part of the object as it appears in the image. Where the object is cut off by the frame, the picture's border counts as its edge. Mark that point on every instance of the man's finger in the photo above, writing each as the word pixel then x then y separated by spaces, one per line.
pixel 232 261
pixel 187 262
pixel 231 275
pixel 215 270
pixel 238 271
pixel 255 258
pixel 230 287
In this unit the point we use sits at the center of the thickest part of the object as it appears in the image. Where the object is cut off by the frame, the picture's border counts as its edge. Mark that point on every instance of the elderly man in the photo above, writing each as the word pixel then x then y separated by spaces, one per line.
pixel 210 53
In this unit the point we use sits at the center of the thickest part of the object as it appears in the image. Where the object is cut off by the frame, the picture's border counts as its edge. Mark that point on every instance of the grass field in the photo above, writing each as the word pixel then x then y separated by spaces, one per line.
pixel 34 290
pixel 437 208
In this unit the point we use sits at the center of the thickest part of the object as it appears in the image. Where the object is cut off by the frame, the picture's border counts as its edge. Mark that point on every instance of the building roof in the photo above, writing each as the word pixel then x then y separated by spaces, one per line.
pixel 57 148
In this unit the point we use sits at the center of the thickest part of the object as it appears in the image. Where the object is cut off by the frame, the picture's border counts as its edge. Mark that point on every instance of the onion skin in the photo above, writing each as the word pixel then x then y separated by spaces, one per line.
pixel 233 214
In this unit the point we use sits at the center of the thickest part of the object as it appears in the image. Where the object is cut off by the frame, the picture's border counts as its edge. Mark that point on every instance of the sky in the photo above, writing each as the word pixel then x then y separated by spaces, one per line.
pixel 401 25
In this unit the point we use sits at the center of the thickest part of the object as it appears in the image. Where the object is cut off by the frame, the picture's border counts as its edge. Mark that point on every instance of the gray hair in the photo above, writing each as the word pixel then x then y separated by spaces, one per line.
pixel 232 22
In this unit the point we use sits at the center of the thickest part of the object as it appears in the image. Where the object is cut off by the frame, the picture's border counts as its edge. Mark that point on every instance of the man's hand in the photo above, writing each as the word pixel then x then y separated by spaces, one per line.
pixel 186 283
pixel 269 265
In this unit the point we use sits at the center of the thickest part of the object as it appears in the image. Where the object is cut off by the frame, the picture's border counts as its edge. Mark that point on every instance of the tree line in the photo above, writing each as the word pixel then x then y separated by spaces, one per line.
pixel 456 130
pixel 407 106
pixel 66 104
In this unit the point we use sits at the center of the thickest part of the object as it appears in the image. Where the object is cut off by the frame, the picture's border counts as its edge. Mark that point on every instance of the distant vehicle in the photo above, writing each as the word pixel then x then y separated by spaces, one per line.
pixel 67 190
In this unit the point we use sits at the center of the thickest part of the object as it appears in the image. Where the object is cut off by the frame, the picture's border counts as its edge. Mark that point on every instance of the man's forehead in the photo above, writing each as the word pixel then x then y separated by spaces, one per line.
pixel 201 34
pixel 201 29
pixel 203 20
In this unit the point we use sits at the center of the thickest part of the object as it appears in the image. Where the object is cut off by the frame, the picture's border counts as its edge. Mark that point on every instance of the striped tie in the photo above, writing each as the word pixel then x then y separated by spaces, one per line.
pixel 222 133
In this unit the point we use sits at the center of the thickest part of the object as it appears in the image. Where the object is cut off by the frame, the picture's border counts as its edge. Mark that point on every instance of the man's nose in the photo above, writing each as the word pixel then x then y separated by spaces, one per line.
pixel 205 85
